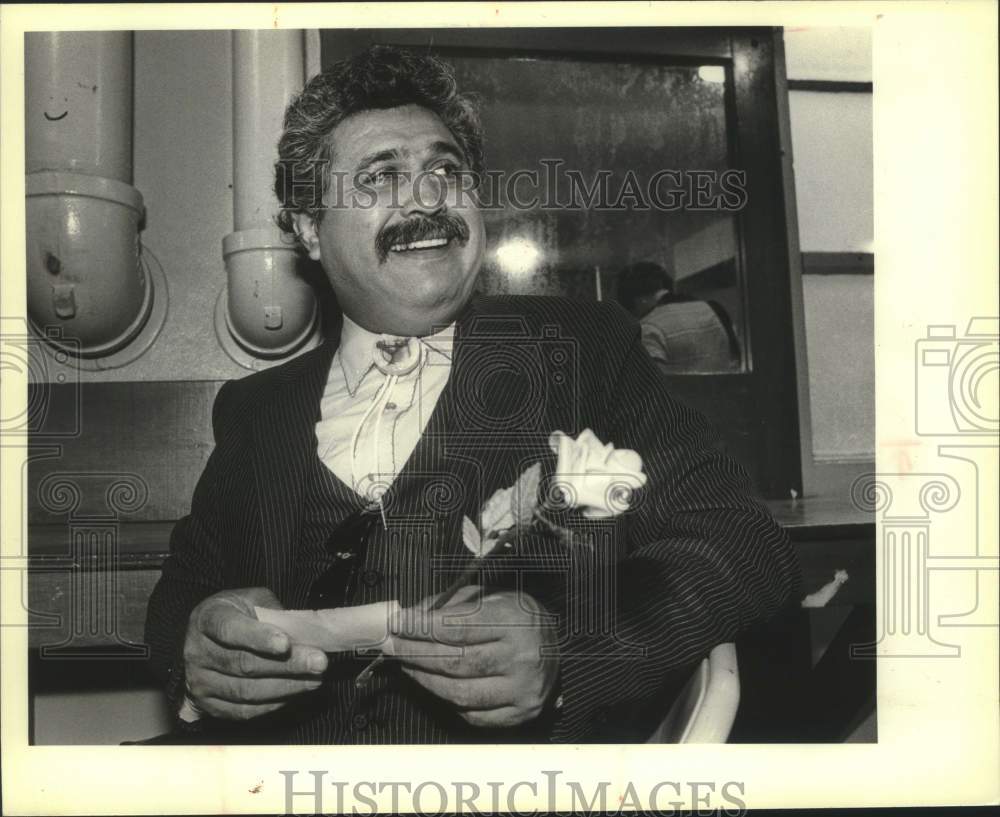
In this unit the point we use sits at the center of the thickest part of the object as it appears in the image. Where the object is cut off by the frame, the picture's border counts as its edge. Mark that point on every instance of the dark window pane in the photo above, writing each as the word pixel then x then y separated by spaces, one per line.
pixel 627 122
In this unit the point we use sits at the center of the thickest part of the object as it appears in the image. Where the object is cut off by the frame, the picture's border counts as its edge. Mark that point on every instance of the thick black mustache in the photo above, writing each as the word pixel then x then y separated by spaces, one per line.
pixel 419 228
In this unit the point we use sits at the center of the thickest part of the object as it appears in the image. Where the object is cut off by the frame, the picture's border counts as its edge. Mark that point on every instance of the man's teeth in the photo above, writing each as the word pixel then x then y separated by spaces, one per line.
pixel 420 245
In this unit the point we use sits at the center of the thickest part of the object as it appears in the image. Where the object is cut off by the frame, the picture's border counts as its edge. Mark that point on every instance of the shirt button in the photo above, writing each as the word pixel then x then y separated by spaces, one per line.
pixel 371 577
pixel 360 722
pixel 390 406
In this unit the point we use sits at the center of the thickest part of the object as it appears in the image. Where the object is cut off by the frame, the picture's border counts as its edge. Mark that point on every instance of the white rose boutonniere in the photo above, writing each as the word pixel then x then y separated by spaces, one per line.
pixel 594 477
pixel 591 478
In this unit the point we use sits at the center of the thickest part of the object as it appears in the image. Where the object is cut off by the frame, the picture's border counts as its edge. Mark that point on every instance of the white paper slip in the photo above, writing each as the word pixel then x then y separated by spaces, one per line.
pixel 337 630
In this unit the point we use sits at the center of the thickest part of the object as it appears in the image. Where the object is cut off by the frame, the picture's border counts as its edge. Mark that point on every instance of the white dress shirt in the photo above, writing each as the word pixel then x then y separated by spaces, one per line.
pixel 373 410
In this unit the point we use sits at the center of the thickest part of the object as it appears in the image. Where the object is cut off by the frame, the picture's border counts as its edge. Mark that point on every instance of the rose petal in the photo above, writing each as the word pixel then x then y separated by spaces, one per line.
pixel 587 470
pixel 554 441
pixel 627 460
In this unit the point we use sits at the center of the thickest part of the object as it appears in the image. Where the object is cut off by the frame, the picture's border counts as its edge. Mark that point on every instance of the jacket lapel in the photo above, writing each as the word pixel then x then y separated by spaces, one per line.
pixel 284 444
pixel 476 434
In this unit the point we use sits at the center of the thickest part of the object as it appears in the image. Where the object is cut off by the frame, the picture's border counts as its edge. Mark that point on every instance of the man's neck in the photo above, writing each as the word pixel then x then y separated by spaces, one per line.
pixel 357 344
pixel 402 329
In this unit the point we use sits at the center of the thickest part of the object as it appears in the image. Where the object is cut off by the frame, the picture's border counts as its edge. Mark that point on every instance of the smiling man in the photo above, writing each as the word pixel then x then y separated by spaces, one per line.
pixel 342 477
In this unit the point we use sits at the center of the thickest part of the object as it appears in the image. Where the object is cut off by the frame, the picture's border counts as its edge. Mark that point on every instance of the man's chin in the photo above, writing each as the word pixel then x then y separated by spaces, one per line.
pixel 427 312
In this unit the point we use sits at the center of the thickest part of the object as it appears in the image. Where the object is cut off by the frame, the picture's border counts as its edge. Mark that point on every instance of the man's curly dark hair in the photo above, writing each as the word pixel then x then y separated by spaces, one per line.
pixel 380 77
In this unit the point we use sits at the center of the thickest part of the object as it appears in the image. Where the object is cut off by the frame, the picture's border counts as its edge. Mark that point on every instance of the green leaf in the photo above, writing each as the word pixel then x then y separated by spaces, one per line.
pixel 495 515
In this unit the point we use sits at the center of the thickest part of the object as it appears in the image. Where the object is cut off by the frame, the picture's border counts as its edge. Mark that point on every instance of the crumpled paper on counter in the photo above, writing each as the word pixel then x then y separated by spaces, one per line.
pixel 822 596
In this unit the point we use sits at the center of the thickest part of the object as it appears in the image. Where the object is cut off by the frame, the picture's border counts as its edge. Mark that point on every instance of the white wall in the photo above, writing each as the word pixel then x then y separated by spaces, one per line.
pixel 184 168
pixel 832 142
pixel 840 320
pixel 835 53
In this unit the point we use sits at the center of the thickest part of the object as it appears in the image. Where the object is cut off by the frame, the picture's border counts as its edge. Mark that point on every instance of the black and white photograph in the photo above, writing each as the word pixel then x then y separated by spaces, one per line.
pixel 497 386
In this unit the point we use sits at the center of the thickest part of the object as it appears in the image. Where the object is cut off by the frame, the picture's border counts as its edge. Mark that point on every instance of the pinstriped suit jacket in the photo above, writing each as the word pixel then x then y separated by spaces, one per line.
pixel 693 562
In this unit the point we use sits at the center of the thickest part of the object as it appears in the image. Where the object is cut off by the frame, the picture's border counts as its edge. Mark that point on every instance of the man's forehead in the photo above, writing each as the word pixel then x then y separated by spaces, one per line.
pixel 404 130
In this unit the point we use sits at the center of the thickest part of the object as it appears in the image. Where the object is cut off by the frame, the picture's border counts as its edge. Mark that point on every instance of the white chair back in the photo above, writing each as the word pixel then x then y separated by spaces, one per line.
pixel 706 707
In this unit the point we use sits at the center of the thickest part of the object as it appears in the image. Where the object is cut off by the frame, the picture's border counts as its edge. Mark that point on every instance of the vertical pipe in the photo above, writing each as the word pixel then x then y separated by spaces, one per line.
pixel 78 102
pixel 269 310
pixel 268 69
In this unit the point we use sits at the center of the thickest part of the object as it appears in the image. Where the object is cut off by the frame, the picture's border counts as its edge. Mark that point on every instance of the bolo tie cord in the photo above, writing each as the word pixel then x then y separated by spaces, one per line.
pixel 377 407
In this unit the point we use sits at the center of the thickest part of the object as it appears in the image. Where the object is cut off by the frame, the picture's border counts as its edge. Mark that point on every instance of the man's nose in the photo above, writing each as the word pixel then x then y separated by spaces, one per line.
pixel 424 194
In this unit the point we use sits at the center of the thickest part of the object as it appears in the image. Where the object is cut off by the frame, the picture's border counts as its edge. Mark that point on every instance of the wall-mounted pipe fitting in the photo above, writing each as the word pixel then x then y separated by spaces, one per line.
pixel 85 274
pixel 271 310
pixel 267 307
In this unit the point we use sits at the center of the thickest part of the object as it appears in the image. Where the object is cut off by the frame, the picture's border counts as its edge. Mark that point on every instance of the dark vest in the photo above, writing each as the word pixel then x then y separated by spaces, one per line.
pixel 348 556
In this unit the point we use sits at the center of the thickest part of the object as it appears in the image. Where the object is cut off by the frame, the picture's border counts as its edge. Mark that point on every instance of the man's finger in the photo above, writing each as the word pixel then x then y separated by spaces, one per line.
pixel 470 661
pixel 233 629
pixel 465 693
pixel 459 624
pixel 211 684
pixel 302 660
pixel 466 593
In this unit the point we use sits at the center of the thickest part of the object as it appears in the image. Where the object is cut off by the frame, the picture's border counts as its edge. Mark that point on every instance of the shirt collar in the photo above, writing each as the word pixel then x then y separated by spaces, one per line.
pixel 357 345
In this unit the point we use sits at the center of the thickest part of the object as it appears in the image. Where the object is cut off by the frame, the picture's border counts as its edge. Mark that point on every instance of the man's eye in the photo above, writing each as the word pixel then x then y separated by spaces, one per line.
pixel 380 177
pixel 445 170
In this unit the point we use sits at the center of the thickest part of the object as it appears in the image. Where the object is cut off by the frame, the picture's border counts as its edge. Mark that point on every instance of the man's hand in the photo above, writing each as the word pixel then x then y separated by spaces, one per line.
pixel 483 656
pixel 237 667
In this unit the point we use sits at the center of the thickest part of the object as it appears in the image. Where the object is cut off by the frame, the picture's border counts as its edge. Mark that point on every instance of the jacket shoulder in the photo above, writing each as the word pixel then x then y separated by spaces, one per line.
pixel 600 335
pixel 238 398
pixel 603 320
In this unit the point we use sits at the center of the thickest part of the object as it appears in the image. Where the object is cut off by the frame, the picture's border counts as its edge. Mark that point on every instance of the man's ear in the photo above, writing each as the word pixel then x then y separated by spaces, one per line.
pixel 305 229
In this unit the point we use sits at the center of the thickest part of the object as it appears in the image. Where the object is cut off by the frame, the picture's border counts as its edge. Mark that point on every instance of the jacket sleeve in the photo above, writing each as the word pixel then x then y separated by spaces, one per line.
pixel 192 571
pixel 696 558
